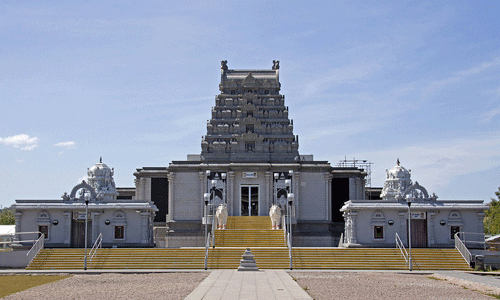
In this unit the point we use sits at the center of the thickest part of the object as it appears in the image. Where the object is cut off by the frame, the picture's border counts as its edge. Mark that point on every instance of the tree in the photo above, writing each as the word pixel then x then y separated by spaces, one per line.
pixel 492 218
pixel 7 217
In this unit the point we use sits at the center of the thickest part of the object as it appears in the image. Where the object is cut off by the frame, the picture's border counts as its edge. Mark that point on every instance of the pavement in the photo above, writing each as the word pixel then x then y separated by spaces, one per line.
pixel 234 284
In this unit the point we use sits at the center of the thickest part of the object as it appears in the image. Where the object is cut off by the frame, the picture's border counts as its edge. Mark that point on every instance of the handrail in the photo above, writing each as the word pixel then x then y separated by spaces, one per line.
pixel 97 244
pixel 37 246
pixel 472 241
pixel 460 246
pixel 207 245
pixel 14 237
pixel 401 247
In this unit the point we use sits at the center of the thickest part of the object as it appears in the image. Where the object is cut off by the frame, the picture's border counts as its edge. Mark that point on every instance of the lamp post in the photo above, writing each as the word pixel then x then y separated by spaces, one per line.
pixel 212 193
pixel 408 200
pixel 206 198
pixel 290 197
pixel 87 196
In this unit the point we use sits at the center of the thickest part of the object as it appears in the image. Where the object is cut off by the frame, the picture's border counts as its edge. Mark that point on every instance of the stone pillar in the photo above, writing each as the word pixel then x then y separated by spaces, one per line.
pixel 296 194
pixel 18 215
pixel 67 227
pixel 353 235
pixel 144 227
pixel 147 189
pixel 480 217
pixel 171 198
pixel 95 225
pixel 430 227
pixel 202 191
pixel 231 194
pixel 402 227
pixel 269 184
pixel 328 210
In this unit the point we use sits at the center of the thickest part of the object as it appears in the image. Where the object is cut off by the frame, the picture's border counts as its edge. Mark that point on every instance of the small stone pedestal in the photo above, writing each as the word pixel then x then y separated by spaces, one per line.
pixel 248 263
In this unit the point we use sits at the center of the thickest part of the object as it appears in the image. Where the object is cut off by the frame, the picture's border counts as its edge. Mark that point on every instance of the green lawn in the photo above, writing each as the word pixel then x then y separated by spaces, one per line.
pixel 10 284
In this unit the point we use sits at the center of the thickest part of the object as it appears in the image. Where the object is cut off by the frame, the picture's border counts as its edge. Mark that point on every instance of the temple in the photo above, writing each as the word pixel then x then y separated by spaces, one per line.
pixel 250 161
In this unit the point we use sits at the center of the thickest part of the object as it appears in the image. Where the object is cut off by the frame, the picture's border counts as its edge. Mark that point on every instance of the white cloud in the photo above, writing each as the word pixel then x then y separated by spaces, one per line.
pixel 68 145
pixel 22 141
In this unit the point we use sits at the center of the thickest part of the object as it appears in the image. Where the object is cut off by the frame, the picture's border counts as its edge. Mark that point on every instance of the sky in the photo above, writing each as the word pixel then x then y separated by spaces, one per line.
pixel 133 82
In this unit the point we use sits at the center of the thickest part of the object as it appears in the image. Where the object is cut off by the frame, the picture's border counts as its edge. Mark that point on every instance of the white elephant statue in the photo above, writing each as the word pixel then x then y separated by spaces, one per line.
pixel 275 214
pixel 221 215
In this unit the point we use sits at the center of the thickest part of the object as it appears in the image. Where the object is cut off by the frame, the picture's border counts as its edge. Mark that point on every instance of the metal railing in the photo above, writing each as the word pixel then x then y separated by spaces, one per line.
pixel 207 245
pixel 93 251
pixel 401 247
pixel 15 238
pixel 37 246
pixel 462 249
pixel 473 240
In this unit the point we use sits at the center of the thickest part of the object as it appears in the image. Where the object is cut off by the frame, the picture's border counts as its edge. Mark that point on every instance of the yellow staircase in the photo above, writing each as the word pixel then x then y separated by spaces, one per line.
pixel 268 246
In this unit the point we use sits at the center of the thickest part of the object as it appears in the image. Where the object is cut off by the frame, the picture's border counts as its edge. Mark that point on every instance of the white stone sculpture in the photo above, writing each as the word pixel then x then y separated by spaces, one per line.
pixel 275 214
pixel 221 215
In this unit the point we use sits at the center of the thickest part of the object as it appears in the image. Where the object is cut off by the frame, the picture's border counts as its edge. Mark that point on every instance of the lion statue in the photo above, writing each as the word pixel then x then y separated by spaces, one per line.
pixel 221 215
pixel 275 214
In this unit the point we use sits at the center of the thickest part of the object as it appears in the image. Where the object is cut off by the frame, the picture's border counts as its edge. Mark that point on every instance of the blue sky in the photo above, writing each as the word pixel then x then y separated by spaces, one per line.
pixel 134 82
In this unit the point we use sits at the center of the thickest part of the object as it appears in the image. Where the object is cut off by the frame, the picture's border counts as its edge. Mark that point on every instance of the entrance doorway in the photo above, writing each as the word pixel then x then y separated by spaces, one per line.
pixel 419 233
pixel 78 233
pixel 249 200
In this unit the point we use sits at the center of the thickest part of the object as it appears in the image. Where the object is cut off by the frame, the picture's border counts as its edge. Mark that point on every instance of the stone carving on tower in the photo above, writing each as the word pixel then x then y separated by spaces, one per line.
pixel 250 120
pixel 398 186
pixel 100 177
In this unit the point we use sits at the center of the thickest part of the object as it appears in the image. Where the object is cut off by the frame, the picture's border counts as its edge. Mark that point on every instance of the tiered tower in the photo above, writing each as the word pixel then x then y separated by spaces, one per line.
pixel 250 120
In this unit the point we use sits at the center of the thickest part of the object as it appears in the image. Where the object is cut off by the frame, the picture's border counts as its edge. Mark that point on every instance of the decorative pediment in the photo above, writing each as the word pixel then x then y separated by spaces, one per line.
pixel 233 84
pixel 85 186
pixel 250 136
pixel 249 81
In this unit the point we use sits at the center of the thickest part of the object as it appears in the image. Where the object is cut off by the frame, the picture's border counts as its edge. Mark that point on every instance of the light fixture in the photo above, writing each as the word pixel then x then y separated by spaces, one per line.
pixel 107 222
pixel 442 222
pixel 390 222
pixel 55 222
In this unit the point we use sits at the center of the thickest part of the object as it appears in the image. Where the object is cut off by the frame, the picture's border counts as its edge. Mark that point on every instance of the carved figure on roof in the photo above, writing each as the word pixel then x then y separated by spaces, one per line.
pixel 223 65
pixel 276 64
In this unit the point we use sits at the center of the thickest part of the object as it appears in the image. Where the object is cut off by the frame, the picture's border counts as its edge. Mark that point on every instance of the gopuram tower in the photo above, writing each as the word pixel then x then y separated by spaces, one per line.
pixel 249 120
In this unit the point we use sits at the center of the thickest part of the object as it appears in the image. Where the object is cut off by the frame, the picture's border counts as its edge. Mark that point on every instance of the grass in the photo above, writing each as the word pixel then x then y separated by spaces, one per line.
pixel 10 284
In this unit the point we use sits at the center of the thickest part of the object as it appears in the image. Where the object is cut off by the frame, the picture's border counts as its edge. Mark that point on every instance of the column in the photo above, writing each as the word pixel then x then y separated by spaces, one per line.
pixel 328 195
pixel 18 215
pixel 353 236
pixel 202 191
pixel 144 227
pixel 296 193
pixel 171 198
pixel 231 194
pixel 95 225
pixel 430 227
pixel 403 234
pixel 267 204
pixel 67 227
pixel 480 217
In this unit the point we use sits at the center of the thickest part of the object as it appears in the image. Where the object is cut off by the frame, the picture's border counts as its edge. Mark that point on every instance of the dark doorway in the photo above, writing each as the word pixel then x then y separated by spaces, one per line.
pixel 78 233
pixel 340 194
pixel 159 196
pixel 418 233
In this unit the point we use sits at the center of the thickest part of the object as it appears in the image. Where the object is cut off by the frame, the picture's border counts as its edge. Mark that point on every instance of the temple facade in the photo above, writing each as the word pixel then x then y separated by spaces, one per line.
pixel 250 160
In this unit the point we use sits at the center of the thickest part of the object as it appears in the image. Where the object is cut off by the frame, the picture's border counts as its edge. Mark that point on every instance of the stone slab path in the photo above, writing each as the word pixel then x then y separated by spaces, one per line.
pixel 232 284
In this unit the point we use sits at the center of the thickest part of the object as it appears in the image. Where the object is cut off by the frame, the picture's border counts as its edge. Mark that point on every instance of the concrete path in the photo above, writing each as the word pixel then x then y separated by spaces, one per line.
pixel 491 279
pixel 233 284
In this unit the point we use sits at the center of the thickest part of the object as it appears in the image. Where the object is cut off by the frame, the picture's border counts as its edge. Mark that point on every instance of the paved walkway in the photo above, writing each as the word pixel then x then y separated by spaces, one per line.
pixel 233 284
pixel 491 279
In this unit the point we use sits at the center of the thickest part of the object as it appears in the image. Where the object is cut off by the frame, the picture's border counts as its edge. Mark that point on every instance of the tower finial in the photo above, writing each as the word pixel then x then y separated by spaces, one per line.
pixel 398 162
pixel 100 159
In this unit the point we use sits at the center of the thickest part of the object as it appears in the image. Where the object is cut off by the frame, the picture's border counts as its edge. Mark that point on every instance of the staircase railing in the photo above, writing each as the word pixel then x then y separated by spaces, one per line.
pixel 402 248
pixel 207 245
pixel 93 251
pixel 37 246
pixel 460 246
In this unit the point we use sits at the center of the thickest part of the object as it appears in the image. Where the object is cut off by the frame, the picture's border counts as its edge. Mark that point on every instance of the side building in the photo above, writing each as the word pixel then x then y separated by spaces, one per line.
pixel 433 223
pixel 122 221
